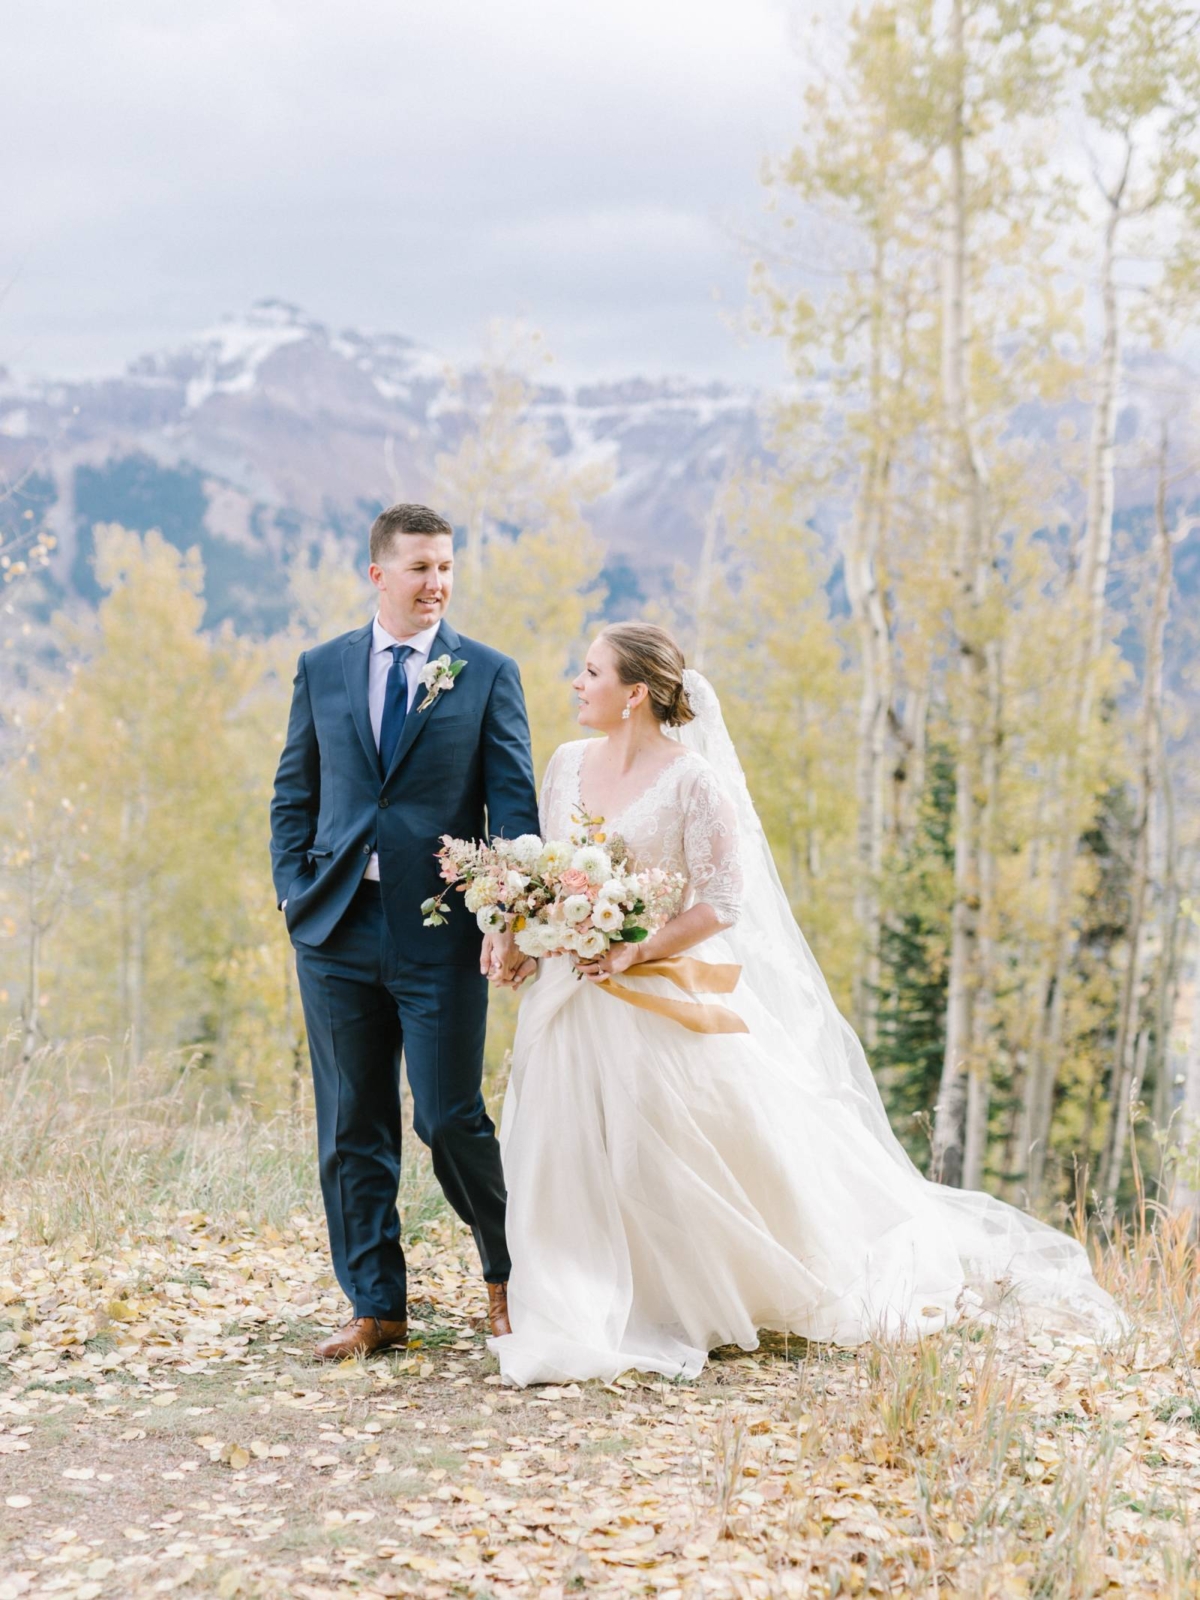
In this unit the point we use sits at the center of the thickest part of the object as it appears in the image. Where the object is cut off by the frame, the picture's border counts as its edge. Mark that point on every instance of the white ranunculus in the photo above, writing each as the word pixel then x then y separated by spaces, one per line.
pixel 490 919
pixel 531 941
pixel 576 907
pixel 607 916
pixel 613 889
pixel 593 862
pixel 591 943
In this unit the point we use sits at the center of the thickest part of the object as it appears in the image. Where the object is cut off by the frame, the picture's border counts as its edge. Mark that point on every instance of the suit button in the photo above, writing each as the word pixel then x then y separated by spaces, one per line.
pixel 384 802
pixel 366 849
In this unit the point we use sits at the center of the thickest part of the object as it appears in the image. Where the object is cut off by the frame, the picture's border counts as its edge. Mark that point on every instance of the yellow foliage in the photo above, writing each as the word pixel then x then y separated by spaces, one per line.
pixel 775 657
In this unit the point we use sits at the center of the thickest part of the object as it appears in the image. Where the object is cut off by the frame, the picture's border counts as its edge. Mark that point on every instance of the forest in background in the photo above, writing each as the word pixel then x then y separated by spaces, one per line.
pixel 966 718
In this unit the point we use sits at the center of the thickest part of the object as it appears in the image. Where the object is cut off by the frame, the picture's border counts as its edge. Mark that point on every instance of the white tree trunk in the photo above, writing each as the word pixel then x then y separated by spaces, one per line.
pixel 1167 985
pixel 875 702
pixel 911 731
pixel 979 1079
pixel 970 574
pixel 705 573
pixel 1090 586
pixel 1129 1049
pixel 860 559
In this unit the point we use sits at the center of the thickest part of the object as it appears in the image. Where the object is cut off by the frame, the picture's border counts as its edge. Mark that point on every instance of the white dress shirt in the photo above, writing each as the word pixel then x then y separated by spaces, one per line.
pixel 420 644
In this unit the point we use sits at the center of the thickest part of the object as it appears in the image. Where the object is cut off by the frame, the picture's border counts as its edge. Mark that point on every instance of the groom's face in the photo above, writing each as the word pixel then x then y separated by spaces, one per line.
pixel 414 581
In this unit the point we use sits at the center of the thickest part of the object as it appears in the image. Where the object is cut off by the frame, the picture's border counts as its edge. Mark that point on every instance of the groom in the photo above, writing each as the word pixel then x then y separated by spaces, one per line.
pixel 386 752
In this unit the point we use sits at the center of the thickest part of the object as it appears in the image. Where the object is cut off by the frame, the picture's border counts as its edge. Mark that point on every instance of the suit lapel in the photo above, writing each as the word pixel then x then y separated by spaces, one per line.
pixel 446 642
pixel 356 664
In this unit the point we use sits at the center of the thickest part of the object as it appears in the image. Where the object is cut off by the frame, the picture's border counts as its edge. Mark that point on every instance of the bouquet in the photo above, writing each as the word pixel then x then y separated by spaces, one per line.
pixel 558 897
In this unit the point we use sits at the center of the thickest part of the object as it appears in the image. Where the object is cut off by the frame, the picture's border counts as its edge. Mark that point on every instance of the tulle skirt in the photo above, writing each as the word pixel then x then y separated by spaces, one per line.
pixel 670 1191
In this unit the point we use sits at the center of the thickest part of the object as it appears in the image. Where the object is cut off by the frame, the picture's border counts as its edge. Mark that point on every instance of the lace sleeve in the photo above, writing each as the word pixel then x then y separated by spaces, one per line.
pixel 546 797
pixel 710 847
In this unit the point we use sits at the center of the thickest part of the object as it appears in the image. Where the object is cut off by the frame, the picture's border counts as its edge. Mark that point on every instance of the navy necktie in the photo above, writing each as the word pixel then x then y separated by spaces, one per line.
pixel 395 706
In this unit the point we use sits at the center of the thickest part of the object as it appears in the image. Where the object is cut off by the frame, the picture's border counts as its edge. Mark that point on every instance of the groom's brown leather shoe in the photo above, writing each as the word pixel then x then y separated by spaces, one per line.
pixel 362 1336
pixel 498 1308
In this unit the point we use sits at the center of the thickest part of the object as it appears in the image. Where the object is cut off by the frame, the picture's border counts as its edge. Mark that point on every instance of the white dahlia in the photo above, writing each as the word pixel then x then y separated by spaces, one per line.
pixel 525 850
pixel 555 856
pixel 593 862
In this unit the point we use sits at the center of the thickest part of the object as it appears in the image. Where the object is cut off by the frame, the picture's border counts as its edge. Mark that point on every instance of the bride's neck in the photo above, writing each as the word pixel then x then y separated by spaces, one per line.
pixel 629 741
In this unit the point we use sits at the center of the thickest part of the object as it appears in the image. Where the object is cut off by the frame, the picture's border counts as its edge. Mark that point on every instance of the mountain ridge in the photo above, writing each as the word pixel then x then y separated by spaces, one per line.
pixel 284 419
pixel 268 431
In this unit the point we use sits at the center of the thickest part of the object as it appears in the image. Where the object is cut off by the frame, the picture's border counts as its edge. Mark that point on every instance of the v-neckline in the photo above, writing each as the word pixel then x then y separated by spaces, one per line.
pixel 629 804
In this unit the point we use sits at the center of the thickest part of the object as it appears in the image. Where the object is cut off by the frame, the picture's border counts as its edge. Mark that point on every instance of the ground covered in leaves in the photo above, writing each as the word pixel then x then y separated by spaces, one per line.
pixel 162 1430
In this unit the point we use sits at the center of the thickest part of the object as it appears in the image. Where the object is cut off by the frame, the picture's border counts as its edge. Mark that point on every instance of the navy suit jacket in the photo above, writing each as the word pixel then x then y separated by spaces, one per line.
pixel 462 767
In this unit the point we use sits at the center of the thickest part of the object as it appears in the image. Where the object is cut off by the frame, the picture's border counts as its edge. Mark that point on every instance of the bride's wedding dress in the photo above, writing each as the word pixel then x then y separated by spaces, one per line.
pixel 671 1191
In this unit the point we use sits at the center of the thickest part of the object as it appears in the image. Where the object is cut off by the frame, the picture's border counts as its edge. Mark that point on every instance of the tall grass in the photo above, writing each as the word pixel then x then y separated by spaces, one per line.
pixel 1009 1489
pixel 91 1148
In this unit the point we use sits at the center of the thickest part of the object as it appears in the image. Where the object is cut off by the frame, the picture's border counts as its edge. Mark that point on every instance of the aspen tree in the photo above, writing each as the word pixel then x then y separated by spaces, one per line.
pixel 1129 1049
pixel 1141 73
pixel 859 169
pixel 996 65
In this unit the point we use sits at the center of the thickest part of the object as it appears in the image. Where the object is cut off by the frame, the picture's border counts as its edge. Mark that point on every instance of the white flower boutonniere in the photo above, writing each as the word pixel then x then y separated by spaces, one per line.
pixel 436 676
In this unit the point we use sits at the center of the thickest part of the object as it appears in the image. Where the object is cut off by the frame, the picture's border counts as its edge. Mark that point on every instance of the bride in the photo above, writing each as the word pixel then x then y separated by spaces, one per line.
pixel 672 1190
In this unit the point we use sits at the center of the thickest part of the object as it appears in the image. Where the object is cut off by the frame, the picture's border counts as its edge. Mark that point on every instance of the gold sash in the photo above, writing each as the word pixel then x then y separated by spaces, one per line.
pixel 693 977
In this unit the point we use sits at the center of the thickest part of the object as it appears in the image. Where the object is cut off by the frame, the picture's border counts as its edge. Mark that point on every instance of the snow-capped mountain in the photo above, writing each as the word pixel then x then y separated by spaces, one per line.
pixel 269 431
pixel 268 434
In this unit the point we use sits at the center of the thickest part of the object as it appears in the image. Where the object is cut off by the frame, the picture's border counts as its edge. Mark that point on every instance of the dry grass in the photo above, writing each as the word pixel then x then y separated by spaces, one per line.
pixel 162 1274
pixel 89 1150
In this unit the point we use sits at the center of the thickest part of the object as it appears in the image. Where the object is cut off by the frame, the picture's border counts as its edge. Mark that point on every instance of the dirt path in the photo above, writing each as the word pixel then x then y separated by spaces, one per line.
pixel 163 1431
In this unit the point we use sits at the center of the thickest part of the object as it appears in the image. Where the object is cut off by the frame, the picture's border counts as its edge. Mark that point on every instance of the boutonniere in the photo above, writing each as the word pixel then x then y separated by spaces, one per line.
pixel 436 676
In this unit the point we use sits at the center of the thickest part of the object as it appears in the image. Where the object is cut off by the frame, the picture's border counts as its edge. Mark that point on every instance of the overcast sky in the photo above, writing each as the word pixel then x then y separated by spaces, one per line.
pixel 421 167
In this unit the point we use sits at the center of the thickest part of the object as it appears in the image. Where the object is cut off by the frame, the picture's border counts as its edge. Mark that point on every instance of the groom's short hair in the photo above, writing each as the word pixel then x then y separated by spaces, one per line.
pixel 403 518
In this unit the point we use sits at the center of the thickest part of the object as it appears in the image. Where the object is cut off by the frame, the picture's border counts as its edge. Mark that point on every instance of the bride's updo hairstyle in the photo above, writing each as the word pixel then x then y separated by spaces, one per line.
pixel 647 654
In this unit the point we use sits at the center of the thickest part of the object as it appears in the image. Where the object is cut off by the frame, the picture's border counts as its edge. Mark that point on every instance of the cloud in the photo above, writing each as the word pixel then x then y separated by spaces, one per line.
pixel 414 166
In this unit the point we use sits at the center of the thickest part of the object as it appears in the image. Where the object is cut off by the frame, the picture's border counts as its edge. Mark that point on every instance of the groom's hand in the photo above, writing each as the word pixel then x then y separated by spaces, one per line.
pixel 502 962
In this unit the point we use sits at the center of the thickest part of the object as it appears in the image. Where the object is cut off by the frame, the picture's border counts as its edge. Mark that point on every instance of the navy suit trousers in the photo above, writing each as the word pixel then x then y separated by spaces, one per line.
pixel 362 1007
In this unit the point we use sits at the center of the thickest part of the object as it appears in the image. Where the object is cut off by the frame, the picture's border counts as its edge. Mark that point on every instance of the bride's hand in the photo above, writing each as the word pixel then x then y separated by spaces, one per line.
pixel 617 958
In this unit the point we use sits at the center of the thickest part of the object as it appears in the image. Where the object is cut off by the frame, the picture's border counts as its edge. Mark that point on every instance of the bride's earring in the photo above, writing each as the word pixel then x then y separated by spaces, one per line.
pixel 625 715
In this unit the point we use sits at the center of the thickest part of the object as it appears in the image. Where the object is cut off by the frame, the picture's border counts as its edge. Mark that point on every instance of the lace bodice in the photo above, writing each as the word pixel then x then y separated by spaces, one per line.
pixel 681 822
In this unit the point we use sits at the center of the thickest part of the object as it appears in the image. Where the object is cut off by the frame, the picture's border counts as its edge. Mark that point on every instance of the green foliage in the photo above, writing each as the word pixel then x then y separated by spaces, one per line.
pixel 1082 1108
pixel 910 999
